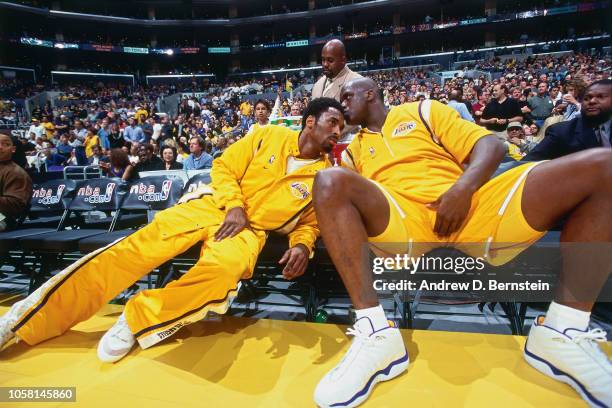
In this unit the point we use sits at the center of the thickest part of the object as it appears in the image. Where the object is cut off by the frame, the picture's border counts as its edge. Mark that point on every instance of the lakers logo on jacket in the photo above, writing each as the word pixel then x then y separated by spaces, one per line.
pixel 403 129
pixel 299 190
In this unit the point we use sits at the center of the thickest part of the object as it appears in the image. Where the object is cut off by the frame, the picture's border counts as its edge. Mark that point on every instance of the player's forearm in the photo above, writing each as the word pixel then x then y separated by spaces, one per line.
pixel 485 158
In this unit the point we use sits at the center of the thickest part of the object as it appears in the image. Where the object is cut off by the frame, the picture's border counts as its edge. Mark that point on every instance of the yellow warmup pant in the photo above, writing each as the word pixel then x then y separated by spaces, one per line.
pixel 80 290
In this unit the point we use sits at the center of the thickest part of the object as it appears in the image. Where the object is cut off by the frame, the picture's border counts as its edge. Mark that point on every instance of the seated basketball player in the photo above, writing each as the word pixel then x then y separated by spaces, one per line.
pixel 422 175
pixel 261 183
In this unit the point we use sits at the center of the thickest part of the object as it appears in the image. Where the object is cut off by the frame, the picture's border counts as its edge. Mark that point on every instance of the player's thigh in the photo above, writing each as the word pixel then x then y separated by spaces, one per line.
pixel 553 188
pixel 337 184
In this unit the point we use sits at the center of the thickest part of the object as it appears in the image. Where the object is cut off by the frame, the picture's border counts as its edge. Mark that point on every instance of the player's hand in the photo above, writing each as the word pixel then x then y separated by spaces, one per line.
pixel 235 221
pixel 452 209
pixel 296 260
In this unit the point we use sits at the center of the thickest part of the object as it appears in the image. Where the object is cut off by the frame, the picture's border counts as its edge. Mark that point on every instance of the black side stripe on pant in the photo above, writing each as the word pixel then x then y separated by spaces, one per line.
pixel 54 288
pixel 197 309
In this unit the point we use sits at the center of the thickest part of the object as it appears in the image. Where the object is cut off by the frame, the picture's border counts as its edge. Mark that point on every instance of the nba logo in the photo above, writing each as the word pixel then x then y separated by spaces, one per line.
pixel 372 151
pixel 165 190
pixel 272 158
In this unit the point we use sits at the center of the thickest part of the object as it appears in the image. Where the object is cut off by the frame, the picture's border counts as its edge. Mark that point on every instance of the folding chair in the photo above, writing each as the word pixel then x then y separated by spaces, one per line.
pixel 90 195
pixel 147 195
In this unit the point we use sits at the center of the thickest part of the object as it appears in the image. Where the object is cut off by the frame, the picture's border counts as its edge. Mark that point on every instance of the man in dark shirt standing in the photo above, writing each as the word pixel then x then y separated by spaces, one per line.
pixel 500 111
pixel 15 186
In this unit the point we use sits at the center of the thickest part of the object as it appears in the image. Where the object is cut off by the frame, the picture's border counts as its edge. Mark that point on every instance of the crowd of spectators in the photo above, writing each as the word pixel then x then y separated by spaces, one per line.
pixel 120 129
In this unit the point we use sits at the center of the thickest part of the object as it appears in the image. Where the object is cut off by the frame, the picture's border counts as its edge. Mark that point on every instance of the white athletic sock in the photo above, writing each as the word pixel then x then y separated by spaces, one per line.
pixel 376 315
pixel 561 317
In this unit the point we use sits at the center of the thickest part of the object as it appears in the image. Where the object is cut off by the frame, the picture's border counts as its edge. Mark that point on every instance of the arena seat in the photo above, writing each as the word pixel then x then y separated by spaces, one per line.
pixel 48 203
pixel 146 196
pixel 90 195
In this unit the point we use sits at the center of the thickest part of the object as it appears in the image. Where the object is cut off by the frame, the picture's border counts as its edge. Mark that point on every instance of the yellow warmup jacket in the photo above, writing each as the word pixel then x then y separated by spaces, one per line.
pixel 252 174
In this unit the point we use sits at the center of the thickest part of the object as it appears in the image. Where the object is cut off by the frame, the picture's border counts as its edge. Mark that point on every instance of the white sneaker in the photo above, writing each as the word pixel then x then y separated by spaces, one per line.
pixel 374 356
pixel 572 357
pixel 116 342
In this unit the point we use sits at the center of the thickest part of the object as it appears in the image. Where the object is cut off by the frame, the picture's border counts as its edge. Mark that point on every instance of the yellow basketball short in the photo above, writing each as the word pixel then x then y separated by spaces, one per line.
pixel 496 228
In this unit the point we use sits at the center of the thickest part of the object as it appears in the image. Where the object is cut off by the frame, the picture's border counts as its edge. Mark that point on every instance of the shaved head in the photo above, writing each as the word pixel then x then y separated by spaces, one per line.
pixel 336 47
pixel 333 58
pixel 359 98
pixel 362 84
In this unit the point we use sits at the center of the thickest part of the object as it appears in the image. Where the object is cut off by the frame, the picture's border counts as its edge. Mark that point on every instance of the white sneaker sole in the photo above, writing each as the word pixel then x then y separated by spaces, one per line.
pixel 394 369
pixel 555 373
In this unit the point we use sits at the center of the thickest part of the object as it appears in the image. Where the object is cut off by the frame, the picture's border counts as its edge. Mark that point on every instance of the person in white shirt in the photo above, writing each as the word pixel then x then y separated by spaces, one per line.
pixel 36 127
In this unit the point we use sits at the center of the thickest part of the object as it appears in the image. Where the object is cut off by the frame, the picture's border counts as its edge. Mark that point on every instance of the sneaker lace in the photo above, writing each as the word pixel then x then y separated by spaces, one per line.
pixel 593 335
pixel 355 332
pixel 589 341
pixel 122 331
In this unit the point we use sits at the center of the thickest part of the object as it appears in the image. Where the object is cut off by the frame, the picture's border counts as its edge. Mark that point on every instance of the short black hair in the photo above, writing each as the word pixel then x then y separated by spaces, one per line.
pixel 317 106
pixel 604 82
pixel 264 103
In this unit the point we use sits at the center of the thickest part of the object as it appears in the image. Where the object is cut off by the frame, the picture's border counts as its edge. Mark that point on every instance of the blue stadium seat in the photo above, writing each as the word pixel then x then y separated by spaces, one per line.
pixel 146 196
pixel 48 203
pixel 91 195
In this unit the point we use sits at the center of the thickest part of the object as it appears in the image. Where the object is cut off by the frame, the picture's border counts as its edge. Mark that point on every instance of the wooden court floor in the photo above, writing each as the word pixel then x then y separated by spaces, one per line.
pixel 241 362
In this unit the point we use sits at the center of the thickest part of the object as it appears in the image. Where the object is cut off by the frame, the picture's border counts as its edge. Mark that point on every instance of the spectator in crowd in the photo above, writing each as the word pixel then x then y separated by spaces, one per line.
pixel 591 129
pixel 500 111
pixel 133 133
pixel 115 139
pixel 118 166
pixel 15 186
pixel 245 114
pixel 517 144
pixel 36 128
pixel 221 146
pixel 62 124
pixel 479 106
pixel 48 127
pixel 166 131
pixel 198 159
pixel 77 140
pixel 154 122
pixel 570 102
pixel 456 103
pixel 147 130
pixel 103 134
pixel 168 155
pixel 540 105
pixel 262 114
pixel 521 98
pixel 63 152
pixel 335 71
pixel 97 156
pixel 91 140
pixel 147 161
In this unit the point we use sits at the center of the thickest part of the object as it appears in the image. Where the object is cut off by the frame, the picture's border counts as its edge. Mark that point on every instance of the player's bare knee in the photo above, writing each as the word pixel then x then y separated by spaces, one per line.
pixel 601 160
pixel 329 183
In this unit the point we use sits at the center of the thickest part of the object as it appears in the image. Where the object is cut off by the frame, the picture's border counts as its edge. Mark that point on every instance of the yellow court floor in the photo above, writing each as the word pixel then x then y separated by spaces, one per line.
pixel 240 362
